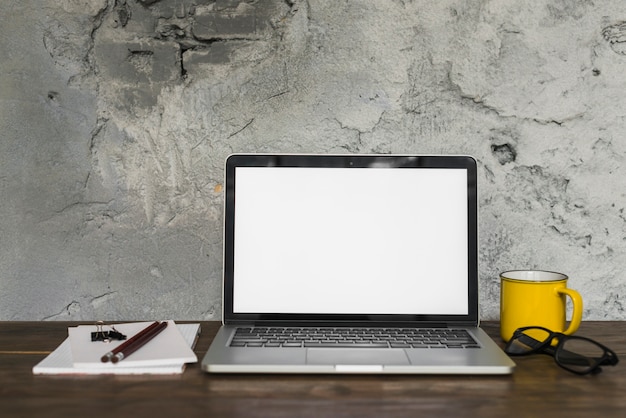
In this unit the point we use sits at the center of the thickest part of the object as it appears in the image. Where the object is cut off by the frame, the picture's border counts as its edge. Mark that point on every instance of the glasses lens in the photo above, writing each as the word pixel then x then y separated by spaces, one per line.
pixel 580 355
pixel 528 341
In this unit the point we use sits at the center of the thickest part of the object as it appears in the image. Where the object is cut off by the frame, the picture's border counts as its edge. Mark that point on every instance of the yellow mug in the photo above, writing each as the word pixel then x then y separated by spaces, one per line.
pixel 537 298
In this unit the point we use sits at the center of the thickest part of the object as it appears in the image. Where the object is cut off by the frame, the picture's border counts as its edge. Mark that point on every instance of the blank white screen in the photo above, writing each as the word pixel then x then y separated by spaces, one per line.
pixel 351 240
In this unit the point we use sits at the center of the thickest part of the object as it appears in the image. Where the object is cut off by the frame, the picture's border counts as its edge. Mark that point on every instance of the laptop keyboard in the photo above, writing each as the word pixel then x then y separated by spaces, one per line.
pixel 353 337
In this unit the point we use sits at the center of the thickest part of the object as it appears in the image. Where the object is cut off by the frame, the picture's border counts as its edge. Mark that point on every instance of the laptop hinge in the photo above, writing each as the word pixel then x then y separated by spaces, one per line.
pixel 346 324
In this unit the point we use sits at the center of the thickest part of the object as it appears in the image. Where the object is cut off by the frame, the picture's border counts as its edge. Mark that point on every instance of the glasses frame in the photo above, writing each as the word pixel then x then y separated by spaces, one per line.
pixel 608 358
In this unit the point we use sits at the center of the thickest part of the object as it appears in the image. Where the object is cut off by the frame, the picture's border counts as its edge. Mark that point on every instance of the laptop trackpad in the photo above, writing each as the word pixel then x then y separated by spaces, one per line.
pixel 356 356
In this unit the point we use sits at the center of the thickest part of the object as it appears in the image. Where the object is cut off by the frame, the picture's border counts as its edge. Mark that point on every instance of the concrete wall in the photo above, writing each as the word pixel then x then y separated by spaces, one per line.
pixel 116 117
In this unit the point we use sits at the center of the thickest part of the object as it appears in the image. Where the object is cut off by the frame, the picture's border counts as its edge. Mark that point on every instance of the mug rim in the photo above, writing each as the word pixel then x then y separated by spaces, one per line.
pixel 506 275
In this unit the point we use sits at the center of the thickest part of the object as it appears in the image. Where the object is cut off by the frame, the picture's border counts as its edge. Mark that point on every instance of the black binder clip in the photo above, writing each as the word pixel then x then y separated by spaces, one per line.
pixel 106 336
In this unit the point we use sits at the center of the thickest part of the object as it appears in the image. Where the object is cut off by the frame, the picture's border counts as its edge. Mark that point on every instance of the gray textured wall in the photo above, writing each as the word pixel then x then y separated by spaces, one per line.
pixel 116 117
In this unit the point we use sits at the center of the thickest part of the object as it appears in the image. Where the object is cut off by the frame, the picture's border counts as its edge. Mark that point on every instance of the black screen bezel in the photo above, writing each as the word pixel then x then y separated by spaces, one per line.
pixel 348 161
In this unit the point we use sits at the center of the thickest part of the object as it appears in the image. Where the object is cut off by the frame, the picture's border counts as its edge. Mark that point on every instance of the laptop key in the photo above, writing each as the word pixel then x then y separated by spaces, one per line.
pixel 400 345
pixel 292 345
pixel 347 345
pixel 249 340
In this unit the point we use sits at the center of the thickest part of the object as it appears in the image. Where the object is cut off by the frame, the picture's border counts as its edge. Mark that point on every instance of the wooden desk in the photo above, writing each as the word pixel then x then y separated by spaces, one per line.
pixel 538 388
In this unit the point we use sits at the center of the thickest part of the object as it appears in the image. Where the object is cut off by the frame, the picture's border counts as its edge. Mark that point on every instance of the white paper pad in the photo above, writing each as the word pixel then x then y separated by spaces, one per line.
pixel 168 358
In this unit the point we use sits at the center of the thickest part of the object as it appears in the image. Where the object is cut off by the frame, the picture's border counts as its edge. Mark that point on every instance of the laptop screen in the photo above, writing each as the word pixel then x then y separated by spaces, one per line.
pixel 350 237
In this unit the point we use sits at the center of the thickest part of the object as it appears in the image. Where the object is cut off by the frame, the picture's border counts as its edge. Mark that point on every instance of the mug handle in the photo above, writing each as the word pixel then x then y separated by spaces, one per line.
pixel 577 314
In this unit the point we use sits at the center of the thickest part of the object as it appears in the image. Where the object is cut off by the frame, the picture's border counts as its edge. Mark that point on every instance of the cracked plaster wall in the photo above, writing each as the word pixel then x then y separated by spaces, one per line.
pixel 116 117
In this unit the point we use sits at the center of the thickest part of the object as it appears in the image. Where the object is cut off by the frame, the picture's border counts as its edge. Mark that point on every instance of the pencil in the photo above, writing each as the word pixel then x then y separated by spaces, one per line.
pixel 108 356
pixel 137 341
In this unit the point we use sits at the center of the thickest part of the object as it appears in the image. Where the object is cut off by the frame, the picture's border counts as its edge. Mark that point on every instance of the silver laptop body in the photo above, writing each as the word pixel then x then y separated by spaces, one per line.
pixel 318 246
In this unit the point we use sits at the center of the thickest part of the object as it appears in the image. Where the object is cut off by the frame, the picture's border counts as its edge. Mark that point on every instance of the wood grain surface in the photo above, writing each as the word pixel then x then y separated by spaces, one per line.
pixel 537 388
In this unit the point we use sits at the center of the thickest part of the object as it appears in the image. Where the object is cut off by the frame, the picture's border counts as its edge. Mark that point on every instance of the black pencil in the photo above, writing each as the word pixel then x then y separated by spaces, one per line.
pixel 134 343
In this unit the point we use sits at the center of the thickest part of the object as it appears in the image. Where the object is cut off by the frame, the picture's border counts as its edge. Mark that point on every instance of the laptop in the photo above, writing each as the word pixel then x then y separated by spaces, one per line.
pixel 351 264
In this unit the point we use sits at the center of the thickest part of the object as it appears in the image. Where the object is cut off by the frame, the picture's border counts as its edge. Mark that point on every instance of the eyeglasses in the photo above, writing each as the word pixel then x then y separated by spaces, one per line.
pixel 578 355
